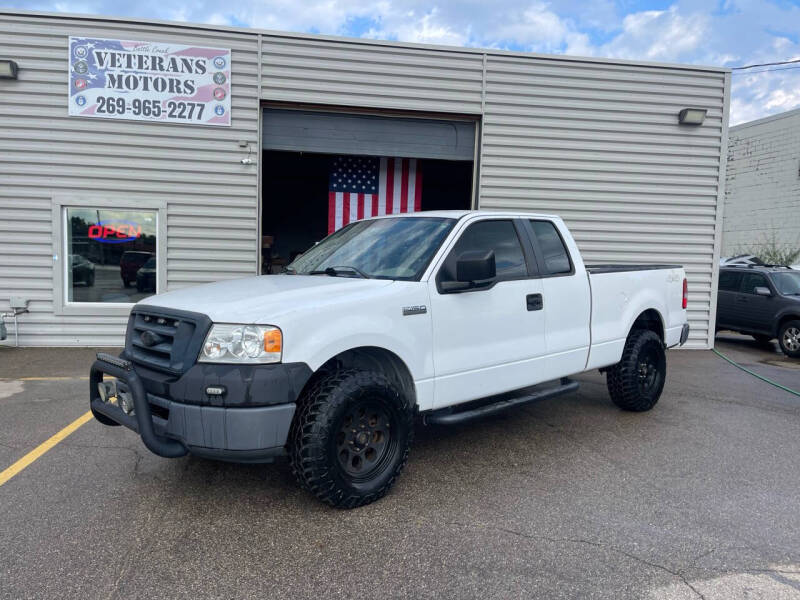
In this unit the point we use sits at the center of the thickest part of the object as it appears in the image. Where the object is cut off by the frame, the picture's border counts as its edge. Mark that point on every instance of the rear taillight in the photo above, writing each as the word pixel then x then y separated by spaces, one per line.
pixel 685 293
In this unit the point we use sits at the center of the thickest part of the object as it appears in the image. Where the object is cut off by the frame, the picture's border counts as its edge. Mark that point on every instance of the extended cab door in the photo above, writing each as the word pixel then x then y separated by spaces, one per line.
pixel 566 298
pixel 486 340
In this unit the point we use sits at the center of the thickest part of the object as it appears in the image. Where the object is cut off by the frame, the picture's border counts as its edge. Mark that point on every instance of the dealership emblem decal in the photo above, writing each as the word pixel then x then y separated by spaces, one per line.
pixel 81 51
pixel 219 62
pixel 80 100
pixel 219 94
pixel 219 109
pixel 219 78
pixel 81 67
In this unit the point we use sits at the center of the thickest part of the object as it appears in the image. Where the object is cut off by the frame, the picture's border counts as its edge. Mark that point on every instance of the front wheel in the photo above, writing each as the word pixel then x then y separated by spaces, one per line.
pixel 789 338
pixel 636 382
pixel 350 438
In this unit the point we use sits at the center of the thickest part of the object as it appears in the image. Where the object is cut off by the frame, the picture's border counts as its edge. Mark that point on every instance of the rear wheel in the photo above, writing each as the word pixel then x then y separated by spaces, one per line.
pixel 350 438
pixel 636 382
pixel 789 338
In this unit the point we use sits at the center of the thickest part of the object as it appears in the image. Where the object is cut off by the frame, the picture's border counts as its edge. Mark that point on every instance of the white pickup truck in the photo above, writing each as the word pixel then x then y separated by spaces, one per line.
pixel 449 315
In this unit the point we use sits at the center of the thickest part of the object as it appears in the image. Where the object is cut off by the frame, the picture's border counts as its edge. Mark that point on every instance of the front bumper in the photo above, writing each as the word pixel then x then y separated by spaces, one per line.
pixel 172 429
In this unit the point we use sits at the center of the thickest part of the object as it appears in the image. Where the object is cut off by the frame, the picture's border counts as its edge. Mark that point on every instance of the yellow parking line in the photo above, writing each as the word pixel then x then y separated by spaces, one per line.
pixel 53 379
pixel 44 447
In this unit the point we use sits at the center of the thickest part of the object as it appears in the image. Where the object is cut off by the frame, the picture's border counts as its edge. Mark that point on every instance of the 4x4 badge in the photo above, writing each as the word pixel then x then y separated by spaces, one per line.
pixel 414 310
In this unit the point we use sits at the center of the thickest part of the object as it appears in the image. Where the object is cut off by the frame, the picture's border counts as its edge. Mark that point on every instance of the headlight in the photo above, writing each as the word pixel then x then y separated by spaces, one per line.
pixel 242 344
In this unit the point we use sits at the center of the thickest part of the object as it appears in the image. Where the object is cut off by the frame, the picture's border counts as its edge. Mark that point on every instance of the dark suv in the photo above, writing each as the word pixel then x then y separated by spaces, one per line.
pixel 762 301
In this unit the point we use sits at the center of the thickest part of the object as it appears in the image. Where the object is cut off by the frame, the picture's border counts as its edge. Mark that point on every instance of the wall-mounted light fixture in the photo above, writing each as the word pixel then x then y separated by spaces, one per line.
pixel 8 69
pixel 692 116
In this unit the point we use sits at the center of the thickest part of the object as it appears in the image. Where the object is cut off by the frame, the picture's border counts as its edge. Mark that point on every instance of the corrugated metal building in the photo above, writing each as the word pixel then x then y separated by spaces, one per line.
pixel 762 193
pixel 596 141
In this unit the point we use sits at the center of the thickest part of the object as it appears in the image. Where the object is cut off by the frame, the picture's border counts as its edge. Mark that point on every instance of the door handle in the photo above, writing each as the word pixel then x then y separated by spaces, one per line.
pixel 534 301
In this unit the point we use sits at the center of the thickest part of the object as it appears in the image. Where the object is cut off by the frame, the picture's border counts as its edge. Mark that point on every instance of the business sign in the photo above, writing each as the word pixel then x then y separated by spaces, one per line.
pixel 115 232
pixel 149 81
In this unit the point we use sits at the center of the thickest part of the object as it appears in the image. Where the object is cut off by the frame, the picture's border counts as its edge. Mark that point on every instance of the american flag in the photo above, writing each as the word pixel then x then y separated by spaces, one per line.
pixel 366 186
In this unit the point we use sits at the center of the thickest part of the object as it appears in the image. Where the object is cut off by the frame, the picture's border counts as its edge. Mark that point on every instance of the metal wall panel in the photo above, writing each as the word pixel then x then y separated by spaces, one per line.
pixel 211 197
pixel 600 145
pixel 363 74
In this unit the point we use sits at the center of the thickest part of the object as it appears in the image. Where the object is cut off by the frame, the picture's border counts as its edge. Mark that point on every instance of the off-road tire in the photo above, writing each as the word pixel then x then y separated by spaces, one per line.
pixel 629 386
pixel 324 416
pixel 788 332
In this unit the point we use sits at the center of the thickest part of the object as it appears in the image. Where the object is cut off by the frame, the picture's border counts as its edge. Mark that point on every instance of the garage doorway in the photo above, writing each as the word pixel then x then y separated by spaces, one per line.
pixel 409 163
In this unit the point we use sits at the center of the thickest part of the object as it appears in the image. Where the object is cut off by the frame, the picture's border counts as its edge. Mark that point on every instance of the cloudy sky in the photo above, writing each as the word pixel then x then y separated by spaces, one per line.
pixel 726 32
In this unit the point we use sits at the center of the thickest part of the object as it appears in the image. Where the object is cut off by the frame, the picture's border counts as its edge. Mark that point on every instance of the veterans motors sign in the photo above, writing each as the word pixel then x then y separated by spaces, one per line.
pixel 149 81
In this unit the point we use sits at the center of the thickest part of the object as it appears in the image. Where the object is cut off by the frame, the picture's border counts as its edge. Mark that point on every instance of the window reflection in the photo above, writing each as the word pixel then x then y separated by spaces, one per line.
pixel 112 255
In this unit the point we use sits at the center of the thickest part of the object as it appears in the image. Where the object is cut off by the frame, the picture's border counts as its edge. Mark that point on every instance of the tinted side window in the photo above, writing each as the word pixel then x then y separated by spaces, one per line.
pixel 555 255
pixel 751 281
pixel 500 236
pixel 729 281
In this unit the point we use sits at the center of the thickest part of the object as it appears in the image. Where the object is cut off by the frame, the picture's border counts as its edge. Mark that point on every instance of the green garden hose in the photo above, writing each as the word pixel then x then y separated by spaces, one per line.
pixel 754 374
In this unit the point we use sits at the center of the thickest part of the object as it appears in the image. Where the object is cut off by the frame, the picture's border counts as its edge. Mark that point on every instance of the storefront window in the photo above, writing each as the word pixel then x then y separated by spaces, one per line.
pixel 110 255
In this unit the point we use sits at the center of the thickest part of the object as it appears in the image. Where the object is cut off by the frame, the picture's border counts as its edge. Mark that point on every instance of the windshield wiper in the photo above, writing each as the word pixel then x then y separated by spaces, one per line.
pixel 338 270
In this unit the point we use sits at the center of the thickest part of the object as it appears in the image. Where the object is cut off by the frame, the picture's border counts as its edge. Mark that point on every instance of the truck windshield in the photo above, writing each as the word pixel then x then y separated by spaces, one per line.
pixel 390 248
pixel 788 284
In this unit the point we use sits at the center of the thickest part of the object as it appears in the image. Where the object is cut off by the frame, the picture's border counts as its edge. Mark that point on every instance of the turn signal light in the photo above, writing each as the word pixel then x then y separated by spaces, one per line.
pixel 685 293
pixel 273 340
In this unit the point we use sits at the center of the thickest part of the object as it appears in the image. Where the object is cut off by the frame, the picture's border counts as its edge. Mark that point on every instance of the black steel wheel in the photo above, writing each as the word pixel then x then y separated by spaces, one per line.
pixel 789 338
pixel 350 437
pixel 364 441
pixel 636 382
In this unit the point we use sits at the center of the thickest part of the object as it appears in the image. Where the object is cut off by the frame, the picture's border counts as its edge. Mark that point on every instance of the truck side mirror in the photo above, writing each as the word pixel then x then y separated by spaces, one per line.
pixel 475 270
pixel 762 291
pixel 476 266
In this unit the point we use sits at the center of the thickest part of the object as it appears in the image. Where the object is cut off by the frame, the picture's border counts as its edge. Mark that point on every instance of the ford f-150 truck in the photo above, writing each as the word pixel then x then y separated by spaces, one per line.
pixel 446 315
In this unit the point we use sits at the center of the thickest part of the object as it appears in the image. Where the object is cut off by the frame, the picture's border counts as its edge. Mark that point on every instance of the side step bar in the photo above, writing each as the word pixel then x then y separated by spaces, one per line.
pixel 447 416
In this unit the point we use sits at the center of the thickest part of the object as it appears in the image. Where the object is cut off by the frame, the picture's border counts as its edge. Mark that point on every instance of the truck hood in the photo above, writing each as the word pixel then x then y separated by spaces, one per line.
pixel 266 298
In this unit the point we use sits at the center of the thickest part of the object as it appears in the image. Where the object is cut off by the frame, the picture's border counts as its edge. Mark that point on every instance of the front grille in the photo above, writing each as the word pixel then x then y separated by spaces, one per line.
pixel 164 339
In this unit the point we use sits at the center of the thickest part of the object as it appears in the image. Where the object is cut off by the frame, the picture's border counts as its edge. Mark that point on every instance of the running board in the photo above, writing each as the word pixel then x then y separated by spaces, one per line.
pixel 447 416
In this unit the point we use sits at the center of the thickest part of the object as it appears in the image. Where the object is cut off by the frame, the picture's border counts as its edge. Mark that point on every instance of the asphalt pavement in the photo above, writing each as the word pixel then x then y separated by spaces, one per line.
pixel 567 498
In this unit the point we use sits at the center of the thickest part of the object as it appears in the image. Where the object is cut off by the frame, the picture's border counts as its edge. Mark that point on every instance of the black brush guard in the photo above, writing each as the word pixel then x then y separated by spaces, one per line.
pixel 111 414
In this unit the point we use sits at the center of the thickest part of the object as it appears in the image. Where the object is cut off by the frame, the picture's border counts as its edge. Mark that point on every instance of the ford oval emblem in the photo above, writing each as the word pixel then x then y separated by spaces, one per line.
pixel 150 339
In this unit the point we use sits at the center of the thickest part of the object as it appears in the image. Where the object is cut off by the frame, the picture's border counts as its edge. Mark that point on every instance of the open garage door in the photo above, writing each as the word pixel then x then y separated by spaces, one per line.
pixel 367 135
pixel 322 170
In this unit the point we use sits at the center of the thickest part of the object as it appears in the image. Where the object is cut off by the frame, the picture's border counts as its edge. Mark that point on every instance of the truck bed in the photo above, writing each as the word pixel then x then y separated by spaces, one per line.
pixel 619 293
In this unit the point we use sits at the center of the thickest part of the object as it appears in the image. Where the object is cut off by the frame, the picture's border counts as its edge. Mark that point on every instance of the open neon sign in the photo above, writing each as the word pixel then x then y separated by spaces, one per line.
pixel 115 232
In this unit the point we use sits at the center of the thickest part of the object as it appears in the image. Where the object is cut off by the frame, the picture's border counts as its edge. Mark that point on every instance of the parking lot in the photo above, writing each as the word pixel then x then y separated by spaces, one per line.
pixel 568 498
